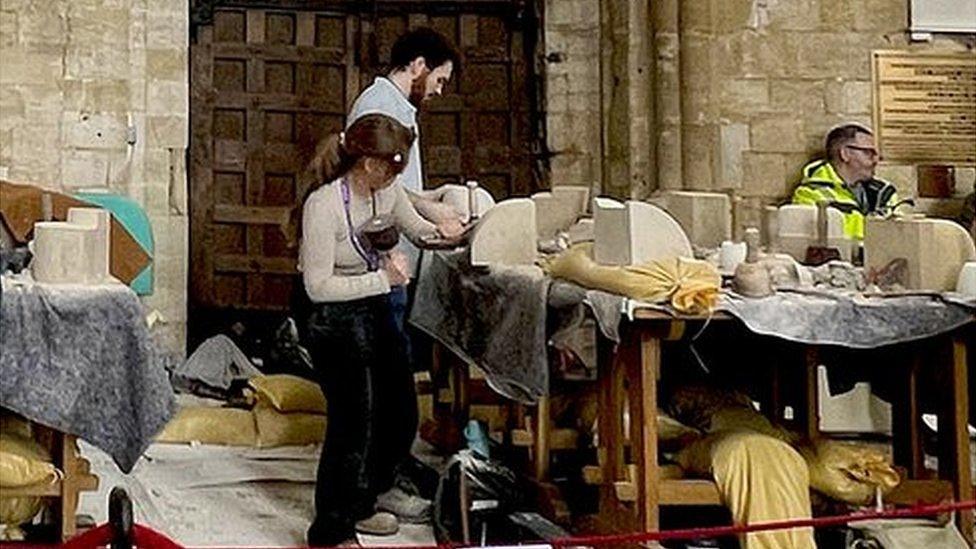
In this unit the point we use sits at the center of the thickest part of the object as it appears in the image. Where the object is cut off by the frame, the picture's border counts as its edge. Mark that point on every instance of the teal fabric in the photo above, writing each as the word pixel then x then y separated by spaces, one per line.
pixel 131 215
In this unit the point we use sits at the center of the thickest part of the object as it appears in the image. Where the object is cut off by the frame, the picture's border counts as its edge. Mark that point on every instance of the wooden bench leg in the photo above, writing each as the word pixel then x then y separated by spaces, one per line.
pixel 954 434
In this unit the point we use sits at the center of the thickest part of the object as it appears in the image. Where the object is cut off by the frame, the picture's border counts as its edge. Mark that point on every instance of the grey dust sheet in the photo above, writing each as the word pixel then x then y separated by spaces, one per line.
pixel 78 359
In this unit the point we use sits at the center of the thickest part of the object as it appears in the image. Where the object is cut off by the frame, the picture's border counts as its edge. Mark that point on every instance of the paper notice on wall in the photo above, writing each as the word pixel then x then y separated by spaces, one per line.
pixel 925 107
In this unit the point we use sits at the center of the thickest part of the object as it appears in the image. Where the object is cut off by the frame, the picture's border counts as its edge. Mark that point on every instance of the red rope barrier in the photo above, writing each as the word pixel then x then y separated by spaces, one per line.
pixel 724 531
pixel 145 537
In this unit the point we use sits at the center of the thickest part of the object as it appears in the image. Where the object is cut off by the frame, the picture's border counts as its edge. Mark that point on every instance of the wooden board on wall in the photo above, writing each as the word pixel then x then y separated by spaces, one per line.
pixel 925 107
pixel 268 82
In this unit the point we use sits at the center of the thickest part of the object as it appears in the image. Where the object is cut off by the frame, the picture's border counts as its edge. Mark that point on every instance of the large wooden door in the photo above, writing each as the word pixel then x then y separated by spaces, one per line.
pixel 268 82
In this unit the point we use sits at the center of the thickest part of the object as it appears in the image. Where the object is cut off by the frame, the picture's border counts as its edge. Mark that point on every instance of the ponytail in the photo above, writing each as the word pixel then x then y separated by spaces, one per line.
pixel 329 162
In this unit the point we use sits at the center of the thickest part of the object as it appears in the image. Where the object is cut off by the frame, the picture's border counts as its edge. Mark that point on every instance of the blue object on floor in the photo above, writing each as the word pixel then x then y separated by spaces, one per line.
pixel 477 441
pixel 131 215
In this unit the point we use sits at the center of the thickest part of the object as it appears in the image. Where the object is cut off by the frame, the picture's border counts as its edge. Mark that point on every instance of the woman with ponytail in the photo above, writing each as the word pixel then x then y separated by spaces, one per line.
pixel 349 226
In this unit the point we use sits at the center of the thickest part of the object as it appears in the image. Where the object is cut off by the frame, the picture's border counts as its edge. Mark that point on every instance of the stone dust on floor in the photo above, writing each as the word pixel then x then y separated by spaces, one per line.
pixel 202 495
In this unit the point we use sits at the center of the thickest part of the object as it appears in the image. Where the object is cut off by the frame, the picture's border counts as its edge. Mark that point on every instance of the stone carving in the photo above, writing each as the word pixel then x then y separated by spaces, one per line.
pixel 506 234
pixel 558 209
pixel 797 231
pixel 752 277
pixel 935 249
pixel 705 217
pixel 74 251
pixel 635 232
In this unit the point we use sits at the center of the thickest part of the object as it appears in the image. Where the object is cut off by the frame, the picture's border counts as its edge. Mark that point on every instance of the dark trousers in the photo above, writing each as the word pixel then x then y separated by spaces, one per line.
pixel 359 356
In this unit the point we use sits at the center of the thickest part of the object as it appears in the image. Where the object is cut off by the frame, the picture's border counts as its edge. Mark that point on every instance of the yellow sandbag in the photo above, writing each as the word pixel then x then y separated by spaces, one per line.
pixel 293 429
pixel 16 511
pixel 223 426
pixel 761 479
pixel 848 472
pixel 23 462
pixel 14 423
pixel 691 286
pixel 289 393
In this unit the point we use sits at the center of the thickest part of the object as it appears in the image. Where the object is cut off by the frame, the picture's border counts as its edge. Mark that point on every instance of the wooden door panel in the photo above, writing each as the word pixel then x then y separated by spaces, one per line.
pixel 269 81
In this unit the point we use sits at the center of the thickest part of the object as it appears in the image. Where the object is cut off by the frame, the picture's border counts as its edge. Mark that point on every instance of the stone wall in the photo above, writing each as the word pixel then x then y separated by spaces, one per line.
pixel 741 94
pixel 79 80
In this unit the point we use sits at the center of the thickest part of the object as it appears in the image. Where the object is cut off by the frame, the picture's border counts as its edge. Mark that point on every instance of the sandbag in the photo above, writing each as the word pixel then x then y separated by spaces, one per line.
pixel 847 472
pixel 207 425
pixel 288 393
pixel 292 429
pixel 690 285
pixel 23 463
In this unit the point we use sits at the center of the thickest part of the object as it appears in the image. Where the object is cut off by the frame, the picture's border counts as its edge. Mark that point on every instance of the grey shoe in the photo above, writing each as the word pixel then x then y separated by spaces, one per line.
pixel 406 507
pixel 380 524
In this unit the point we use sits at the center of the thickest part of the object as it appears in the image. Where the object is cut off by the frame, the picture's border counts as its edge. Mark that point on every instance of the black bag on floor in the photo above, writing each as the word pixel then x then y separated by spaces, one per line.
pixel 493 492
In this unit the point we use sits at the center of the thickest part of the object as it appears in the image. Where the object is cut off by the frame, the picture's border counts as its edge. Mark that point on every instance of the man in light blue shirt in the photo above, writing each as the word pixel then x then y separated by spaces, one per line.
pixel 422 62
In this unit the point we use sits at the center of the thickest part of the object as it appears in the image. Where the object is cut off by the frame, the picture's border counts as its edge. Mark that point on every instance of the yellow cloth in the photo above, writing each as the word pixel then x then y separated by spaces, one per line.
pixel 761 479
pixel 292 429
pixel 288 393
pixel 207 425
pixel 691 286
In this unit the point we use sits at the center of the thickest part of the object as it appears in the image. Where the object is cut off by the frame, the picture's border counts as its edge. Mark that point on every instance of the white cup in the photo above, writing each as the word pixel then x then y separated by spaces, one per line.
pixel 967 279
pixel 731 254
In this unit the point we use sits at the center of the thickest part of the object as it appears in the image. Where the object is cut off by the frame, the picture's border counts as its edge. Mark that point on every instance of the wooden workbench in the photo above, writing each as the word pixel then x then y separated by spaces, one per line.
pixel 631 494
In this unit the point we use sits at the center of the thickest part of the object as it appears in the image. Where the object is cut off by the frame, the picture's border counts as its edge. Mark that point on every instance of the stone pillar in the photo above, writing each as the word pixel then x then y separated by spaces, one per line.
pixel 699 112
pixel 626 99
pixel 667 93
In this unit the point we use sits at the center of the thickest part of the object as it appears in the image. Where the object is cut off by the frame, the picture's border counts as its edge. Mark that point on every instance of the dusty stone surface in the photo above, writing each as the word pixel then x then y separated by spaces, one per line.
pixel 797 231
pixel 75 251
pixel 705 217
pixel 557 210
pixel 936 250
pixel 506 234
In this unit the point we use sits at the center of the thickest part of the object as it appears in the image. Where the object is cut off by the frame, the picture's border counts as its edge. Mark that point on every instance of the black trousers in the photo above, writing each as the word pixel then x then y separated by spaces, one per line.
pixel 358 353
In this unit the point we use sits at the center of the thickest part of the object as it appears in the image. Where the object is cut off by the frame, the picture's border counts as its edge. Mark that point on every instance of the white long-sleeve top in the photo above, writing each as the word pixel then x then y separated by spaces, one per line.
pixel 332 269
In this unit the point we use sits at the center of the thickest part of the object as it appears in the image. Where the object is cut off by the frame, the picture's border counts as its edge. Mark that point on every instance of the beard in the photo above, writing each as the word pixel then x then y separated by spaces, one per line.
pixel 418 89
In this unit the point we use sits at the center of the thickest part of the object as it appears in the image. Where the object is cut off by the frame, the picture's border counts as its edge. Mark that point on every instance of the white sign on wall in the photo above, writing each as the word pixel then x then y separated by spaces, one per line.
pixel 943 16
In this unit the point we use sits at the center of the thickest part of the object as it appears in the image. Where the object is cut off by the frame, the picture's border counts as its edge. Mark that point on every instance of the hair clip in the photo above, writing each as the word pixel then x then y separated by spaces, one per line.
pixel 398 157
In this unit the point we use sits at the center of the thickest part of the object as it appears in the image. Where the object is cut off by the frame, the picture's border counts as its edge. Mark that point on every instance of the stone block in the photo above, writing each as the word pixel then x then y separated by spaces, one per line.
pixel 733 15
pixel 635 232
pixel 84 169
pixel 794 15
pixel 734 141
pixel 167 64
pixel 857 97
pixel 167 30
pixel 801 98
pixel 935 249
pixel 167 98
pixel 506 235
pixel 744 95
pixel 178 182
pixel 74 251
pixel 90 61
pixel 99 26
pixel 9 28
pixel 705 217
pixel 780 134
pixel 21 66
pixel 766 55
pixel 826 55
pixel 879 15
pixel 43 24
pixel 96 95
pixel 797 231
pixel 764 175
pixel 167 132
pixel 902 176
pixel 557 210
pixel 95 131
pixel 838 15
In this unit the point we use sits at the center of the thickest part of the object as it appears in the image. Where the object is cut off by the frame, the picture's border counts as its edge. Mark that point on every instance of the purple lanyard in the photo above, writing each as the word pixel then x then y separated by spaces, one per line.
pixel 371 258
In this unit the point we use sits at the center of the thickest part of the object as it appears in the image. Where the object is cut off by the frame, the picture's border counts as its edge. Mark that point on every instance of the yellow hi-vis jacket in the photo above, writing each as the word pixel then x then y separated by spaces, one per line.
pixel 821 182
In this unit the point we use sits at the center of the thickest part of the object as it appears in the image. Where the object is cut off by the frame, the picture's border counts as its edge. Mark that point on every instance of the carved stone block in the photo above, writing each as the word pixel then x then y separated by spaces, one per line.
pixel 635 232
pixel 936 249
pixel 506 234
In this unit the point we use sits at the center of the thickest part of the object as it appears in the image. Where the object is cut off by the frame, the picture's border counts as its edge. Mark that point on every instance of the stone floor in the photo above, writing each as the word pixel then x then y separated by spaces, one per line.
pixel 216 496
